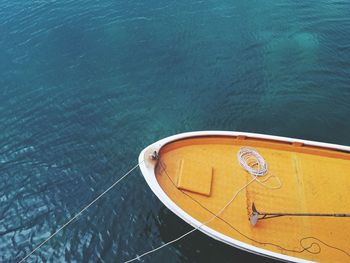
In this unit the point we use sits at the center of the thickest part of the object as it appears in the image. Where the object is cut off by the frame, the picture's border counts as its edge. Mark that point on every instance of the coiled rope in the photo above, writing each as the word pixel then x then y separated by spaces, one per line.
pixel 252 161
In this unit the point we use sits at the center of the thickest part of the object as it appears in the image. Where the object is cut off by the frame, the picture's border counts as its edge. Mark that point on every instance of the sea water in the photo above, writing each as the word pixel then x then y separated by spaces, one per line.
pixel 86 85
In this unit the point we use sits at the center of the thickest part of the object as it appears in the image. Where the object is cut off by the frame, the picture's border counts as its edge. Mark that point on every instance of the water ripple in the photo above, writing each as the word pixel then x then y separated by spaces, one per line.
pixel 85 85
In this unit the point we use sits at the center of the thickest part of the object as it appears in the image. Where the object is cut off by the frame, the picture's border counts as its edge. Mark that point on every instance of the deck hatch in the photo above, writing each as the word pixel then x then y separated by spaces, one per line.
pixel 195 177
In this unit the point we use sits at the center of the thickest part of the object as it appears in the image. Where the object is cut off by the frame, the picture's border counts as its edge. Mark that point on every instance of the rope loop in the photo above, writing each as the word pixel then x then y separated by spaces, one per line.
pixel 252 161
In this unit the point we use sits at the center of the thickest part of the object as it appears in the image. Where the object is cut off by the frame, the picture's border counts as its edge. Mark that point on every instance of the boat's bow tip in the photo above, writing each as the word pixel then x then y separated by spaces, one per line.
pixel 150 156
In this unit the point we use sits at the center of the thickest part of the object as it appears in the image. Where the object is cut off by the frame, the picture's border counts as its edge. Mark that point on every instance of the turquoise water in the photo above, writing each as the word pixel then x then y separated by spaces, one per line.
pixel 86 85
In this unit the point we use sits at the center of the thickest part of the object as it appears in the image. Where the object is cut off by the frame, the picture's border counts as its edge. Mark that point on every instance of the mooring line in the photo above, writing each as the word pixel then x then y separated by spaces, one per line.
pixel 79 213
pixel 198 227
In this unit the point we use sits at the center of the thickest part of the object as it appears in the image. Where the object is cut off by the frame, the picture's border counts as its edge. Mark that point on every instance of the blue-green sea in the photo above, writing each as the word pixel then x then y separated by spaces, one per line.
pixel 86 85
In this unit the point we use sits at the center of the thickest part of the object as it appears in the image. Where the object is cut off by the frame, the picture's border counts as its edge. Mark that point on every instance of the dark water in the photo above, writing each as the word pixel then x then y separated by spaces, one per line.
pixel 86 85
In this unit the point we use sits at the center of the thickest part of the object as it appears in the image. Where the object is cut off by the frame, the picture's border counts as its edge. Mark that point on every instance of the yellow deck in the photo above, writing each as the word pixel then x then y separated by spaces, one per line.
pixel 314 180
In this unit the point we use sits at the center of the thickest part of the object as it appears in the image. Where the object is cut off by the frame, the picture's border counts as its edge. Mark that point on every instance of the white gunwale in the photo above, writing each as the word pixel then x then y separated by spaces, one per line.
pixel 147 166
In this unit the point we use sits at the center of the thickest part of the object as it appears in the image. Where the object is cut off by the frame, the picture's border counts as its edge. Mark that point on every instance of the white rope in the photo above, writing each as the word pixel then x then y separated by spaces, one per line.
pixel 249 158
pixel 255 165
pixel 252 161
pixel 79 213
pixel 194 229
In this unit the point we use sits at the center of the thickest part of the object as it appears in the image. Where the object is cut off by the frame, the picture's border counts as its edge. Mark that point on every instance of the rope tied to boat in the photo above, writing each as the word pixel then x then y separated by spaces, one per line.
pixel 251 161
pixel 256 166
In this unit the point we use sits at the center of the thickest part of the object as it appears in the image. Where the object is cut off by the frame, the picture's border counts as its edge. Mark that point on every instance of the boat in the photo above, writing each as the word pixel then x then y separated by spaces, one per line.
pixel 278 197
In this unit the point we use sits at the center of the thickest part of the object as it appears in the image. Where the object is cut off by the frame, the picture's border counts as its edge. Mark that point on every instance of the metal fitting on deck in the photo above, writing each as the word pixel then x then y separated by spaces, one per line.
pixel 154 155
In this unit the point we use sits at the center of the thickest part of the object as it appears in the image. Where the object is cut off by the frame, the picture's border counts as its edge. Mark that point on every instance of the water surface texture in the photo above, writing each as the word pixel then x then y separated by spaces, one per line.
pixel 86 85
